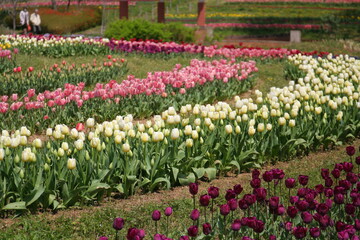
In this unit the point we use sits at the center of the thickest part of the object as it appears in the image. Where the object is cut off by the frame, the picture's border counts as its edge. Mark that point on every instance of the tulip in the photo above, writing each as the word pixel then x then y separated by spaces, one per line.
pixel 303 180
pixel 118 224
pixel 2 154
pixel 71 163
pixel 125 147
pixel 224 209
pixel 228 129
pixel 206 228
pixel 156 215
pixel 192 231
pixel 350 150
pixel 205 200
pixel 189 143
pixel 168 211
pixel 195 214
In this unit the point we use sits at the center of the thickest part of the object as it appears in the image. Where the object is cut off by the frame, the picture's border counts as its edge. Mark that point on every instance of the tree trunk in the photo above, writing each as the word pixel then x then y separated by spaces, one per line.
pixel 53 4
pixel 14 16
pixel 68 5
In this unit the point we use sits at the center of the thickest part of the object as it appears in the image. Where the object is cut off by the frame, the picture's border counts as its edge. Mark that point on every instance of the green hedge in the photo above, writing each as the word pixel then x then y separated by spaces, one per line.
pixel 142 29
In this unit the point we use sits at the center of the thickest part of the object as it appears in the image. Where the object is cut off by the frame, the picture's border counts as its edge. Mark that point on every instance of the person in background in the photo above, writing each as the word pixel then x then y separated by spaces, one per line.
pixel 36 21
pixel 24 20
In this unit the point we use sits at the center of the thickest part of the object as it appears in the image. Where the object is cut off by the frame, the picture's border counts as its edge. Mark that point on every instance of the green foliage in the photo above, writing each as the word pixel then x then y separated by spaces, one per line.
pixel 141 29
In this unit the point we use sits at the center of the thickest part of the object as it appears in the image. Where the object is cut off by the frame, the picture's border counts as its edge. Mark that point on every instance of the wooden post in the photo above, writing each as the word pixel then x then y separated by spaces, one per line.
pixel 124 9
pixel 201 13
pixel 161 11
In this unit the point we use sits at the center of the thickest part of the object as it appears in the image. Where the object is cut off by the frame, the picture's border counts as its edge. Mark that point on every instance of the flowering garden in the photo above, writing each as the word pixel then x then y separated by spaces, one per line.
pixel 77 134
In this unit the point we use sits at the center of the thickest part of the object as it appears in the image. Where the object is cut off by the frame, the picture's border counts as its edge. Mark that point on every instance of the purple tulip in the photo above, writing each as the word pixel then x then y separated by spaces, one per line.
pixel 255 173
pixel 278 173
pixel 294 199
pixel 303 179
pixel 259 226
pixel 319 188
pixel 315 232
pixel 156 215
pixel 232 204
pixel 250 199
pixel 325 173
pixel 230 194
pixel 103 238
pixel 255 183
pixel 236 225
pixel 336 173
pixel 272 237
pixel 205 200
pixel 195 214
pixel 328 182
pixel 118 224
pixel 260 194
pixel 206 228
pixel 168 211
pixel 357 224
pixel 299 232
pixel 193 231
pixel 242 204
pixel 268 176
pixel 213 192
pixel 306 217
pixel 348 166
pixel 339 198
pixel 322 209
pixel 238 189
pixel 350 209
pixel 328 192
pixel 357 160
pixel 184 238
pixel 280 210
pixel 274 202
pixel 302 205
pixel 352 177
pixel 292 211
pixel 290 182
pixel 193 188
pixel 350 150
pixel 224 209
pixel 288 226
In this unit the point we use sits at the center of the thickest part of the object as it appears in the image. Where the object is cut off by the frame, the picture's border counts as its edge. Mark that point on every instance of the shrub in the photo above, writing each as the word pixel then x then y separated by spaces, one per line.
pixel 142 29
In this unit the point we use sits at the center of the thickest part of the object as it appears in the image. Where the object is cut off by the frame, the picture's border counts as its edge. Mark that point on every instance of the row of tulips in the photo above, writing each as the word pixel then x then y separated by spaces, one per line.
pixel 200 141
pixel 57 46
pixel 201 82
pixel 253 25
pixel 277 207
pixel 57 75
pixel 6 60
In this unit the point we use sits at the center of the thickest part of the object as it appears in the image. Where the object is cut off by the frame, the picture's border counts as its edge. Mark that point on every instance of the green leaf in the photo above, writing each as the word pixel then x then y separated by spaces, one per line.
pixel 160 180
pixel 15 206
pixel 188 179
pixel 199 172
pixel 175 172
pixel 96 186
pixel 34 195
pixel 210 173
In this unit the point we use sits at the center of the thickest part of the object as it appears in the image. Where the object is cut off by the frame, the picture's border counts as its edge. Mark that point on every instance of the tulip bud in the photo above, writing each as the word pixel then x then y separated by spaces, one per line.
pixel 126 147
pixel 71 163
pixel 46 167
pixel 292 123
pixel 22 174
pixel 37 143
pixel 87 156
pixel 145 137
pixel 189 143
pixel 60 152
pixel 228 129
pixel 261 127
pixel 65 146
pixel 2 154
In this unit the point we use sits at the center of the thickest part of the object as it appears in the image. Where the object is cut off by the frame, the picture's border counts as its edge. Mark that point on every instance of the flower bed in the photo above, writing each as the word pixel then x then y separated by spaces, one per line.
pixel 199 142
pixel 57 76
pixel 252 25
pixel 6 60
pixel 57 46
pixel 201 82
pixel 279 207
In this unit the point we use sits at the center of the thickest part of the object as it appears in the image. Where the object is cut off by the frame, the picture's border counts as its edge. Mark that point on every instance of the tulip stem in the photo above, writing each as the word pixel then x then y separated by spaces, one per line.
pixel 212 212
pixel 167 226
pixel 205 213
pixel 194 201
pixel 156 227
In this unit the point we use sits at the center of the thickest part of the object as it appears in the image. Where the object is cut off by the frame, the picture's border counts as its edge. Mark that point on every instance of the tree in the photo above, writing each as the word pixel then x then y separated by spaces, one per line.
pixel 10 6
